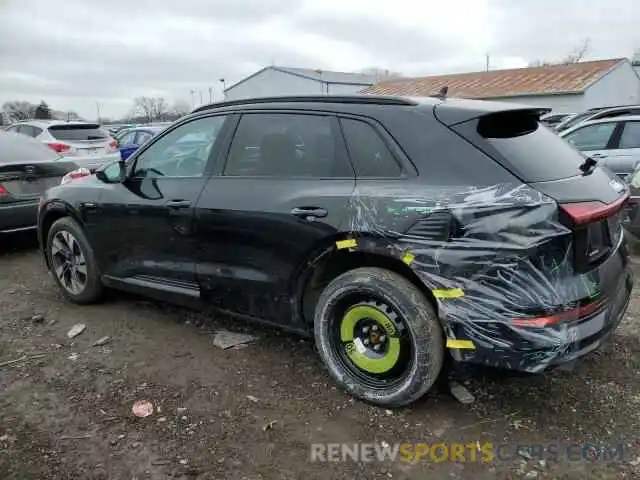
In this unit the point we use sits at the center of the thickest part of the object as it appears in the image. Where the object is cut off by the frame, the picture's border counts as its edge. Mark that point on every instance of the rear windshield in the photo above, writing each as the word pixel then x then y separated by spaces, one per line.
pixel 526 147
pixel 16 148
pixel 78 132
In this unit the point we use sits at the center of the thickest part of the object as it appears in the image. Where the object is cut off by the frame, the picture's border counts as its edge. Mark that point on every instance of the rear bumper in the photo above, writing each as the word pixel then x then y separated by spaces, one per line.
pixel 18 217
pixel 536 349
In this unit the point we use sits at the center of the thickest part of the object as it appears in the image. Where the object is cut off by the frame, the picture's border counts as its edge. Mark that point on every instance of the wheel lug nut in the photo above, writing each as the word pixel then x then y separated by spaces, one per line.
pixel 383 338
pixel 374 328
pixel 366 341
pixel 376 347
pixel 365 330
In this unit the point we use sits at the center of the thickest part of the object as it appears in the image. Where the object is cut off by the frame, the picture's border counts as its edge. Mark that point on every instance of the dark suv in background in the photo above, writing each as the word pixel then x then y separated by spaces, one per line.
pixel 397 231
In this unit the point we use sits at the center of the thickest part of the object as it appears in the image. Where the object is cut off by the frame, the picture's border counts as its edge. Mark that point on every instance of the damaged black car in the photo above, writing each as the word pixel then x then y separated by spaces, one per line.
pixel 399 232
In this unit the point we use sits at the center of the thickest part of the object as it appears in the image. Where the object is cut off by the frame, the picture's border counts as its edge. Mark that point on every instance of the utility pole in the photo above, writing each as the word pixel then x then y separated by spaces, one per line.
pixel 210 94
pixel 98 110
pixel 193 99
pixel 486 63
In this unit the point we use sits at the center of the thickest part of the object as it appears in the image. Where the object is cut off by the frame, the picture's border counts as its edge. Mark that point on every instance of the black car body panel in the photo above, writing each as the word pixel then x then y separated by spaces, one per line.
pixel 521 276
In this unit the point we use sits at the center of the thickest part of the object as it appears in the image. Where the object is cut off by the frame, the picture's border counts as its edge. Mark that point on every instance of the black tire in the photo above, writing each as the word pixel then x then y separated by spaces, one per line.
pixel 415 317
pixel 93 289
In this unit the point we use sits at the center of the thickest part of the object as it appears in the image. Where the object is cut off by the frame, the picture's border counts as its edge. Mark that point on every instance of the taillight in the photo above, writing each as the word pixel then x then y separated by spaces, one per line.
pixel 587 212
pixel 3 191
pixel 59 147
pixel 74 175
pixel 570 315
pixel 113 144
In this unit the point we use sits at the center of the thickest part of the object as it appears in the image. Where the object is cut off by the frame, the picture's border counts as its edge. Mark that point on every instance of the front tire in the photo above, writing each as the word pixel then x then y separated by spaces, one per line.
pixel 379 336
pixel 72 262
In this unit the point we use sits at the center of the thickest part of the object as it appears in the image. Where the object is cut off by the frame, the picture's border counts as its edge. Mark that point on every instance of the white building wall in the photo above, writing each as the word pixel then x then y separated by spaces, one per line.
pixel 271 82
pixel 618 87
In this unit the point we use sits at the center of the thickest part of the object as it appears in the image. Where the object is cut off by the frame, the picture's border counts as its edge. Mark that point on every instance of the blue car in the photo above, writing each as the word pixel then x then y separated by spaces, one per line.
pixel 133 138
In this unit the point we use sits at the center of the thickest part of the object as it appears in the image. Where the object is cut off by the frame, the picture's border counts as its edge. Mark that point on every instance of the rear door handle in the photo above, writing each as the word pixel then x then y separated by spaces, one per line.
pixel 175 204
pixel 598 155
pixel 309 212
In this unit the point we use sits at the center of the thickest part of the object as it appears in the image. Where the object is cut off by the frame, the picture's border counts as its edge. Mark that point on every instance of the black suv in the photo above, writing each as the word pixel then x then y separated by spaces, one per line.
pixel 400 232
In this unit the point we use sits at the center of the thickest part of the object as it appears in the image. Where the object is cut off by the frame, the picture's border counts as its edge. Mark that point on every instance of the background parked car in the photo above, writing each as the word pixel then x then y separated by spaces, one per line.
pixel 87 144
pixel 614 142
pixel 27 169
pixel 596 114
pixel 552 120
pixel 131 139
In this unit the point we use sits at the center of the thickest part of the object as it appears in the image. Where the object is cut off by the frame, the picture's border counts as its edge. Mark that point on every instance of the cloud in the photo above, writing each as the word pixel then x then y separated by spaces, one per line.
pixel 76 53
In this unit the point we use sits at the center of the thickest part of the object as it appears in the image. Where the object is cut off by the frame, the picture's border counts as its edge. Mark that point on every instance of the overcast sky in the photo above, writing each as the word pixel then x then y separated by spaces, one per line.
pixel 74 53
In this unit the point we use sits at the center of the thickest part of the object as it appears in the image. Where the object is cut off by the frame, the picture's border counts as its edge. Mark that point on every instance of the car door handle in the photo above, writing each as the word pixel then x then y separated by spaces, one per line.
pixel 175 204
pixel 309 212
pixel 598 155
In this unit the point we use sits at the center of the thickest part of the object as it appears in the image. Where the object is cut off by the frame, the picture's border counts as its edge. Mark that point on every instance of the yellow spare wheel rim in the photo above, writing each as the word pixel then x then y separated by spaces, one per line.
pixel 370 339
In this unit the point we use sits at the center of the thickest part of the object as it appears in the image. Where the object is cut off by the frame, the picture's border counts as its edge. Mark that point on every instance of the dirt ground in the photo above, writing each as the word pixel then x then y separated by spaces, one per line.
pixel 65 405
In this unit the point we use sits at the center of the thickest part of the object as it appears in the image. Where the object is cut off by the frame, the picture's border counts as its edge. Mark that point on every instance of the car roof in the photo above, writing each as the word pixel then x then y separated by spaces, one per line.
pixel 449 110
pixel 49 123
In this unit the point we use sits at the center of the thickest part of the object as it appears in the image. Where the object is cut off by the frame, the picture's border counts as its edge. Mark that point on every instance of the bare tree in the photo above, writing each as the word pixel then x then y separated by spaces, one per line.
pixel 19 110
pixel 577 55
pixel 43 111
pixel 152 108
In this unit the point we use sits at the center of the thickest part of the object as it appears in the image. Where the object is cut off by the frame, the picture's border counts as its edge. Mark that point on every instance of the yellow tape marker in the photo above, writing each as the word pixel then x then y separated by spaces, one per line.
pixel 408 258
pixel 448 293
pixel 349 243
pixel 460 344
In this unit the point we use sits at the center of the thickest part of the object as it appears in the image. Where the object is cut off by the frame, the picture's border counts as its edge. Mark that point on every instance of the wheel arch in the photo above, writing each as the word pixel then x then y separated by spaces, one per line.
pixel 52 213
pixel 335 258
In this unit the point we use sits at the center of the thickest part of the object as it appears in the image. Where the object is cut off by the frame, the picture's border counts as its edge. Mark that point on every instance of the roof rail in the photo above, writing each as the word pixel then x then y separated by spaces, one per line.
pixel 357 99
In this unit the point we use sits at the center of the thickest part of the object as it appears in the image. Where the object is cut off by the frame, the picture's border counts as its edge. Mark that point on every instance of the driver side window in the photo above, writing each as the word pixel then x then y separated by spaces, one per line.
pixel 183 152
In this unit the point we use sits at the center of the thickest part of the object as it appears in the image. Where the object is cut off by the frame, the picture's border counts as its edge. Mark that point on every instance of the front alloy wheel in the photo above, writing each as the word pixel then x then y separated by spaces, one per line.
pixel 71 261
pixel 68 262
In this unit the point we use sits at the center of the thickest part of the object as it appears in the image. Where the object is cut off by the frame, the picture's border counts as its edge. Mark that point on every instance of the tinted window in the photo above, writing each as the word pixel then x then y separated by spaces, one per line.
pixel 17 149
pixel 630 137
pixel 281 144
pixel 143 137
pixel 368 151
pixel 78 132
pixel 26 130
pixel 520 143
pixel 173 156
pixel 591 137
pixel 127 139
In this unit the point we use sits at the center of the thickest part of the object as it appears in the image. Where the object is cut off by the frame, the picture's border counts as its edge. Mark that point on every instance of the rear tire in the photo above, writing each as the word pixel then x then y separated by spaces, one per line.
pixel 72 262
pixel 395 371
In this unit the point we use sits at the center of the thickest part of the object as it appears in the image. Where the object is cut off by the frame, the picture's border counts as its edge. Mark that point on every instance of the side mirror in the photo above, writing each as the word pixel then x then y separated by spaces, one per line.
pixel 115 172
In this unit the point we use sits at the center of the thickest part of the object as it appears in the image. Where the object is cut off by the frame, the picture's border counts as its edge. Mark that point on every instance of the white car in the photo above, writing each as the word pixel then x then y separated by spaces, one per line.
pixel 87 144
pixel 613 142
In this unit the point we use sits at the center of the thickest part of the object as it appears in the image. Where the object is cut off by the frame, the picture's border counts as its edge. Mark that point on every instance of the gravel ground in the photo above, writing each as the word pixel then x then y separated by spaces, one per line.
pixel 252 413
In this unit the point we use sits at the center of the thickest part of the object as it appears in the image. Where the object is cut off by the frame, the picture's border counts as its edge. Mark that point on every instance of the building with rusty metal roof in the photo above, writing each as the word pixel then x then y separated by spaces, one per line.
pixel 566 88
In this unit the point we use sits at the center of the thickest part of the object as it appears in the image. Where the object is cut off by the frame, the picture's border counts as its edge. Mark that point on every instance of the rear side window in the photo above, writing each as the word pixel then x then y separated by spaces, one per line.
pixel 78 132
pixel 18 149
pixel 591 137
pixel 630 137
pixel 524 146
pixel 286 145
pixel 368 151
